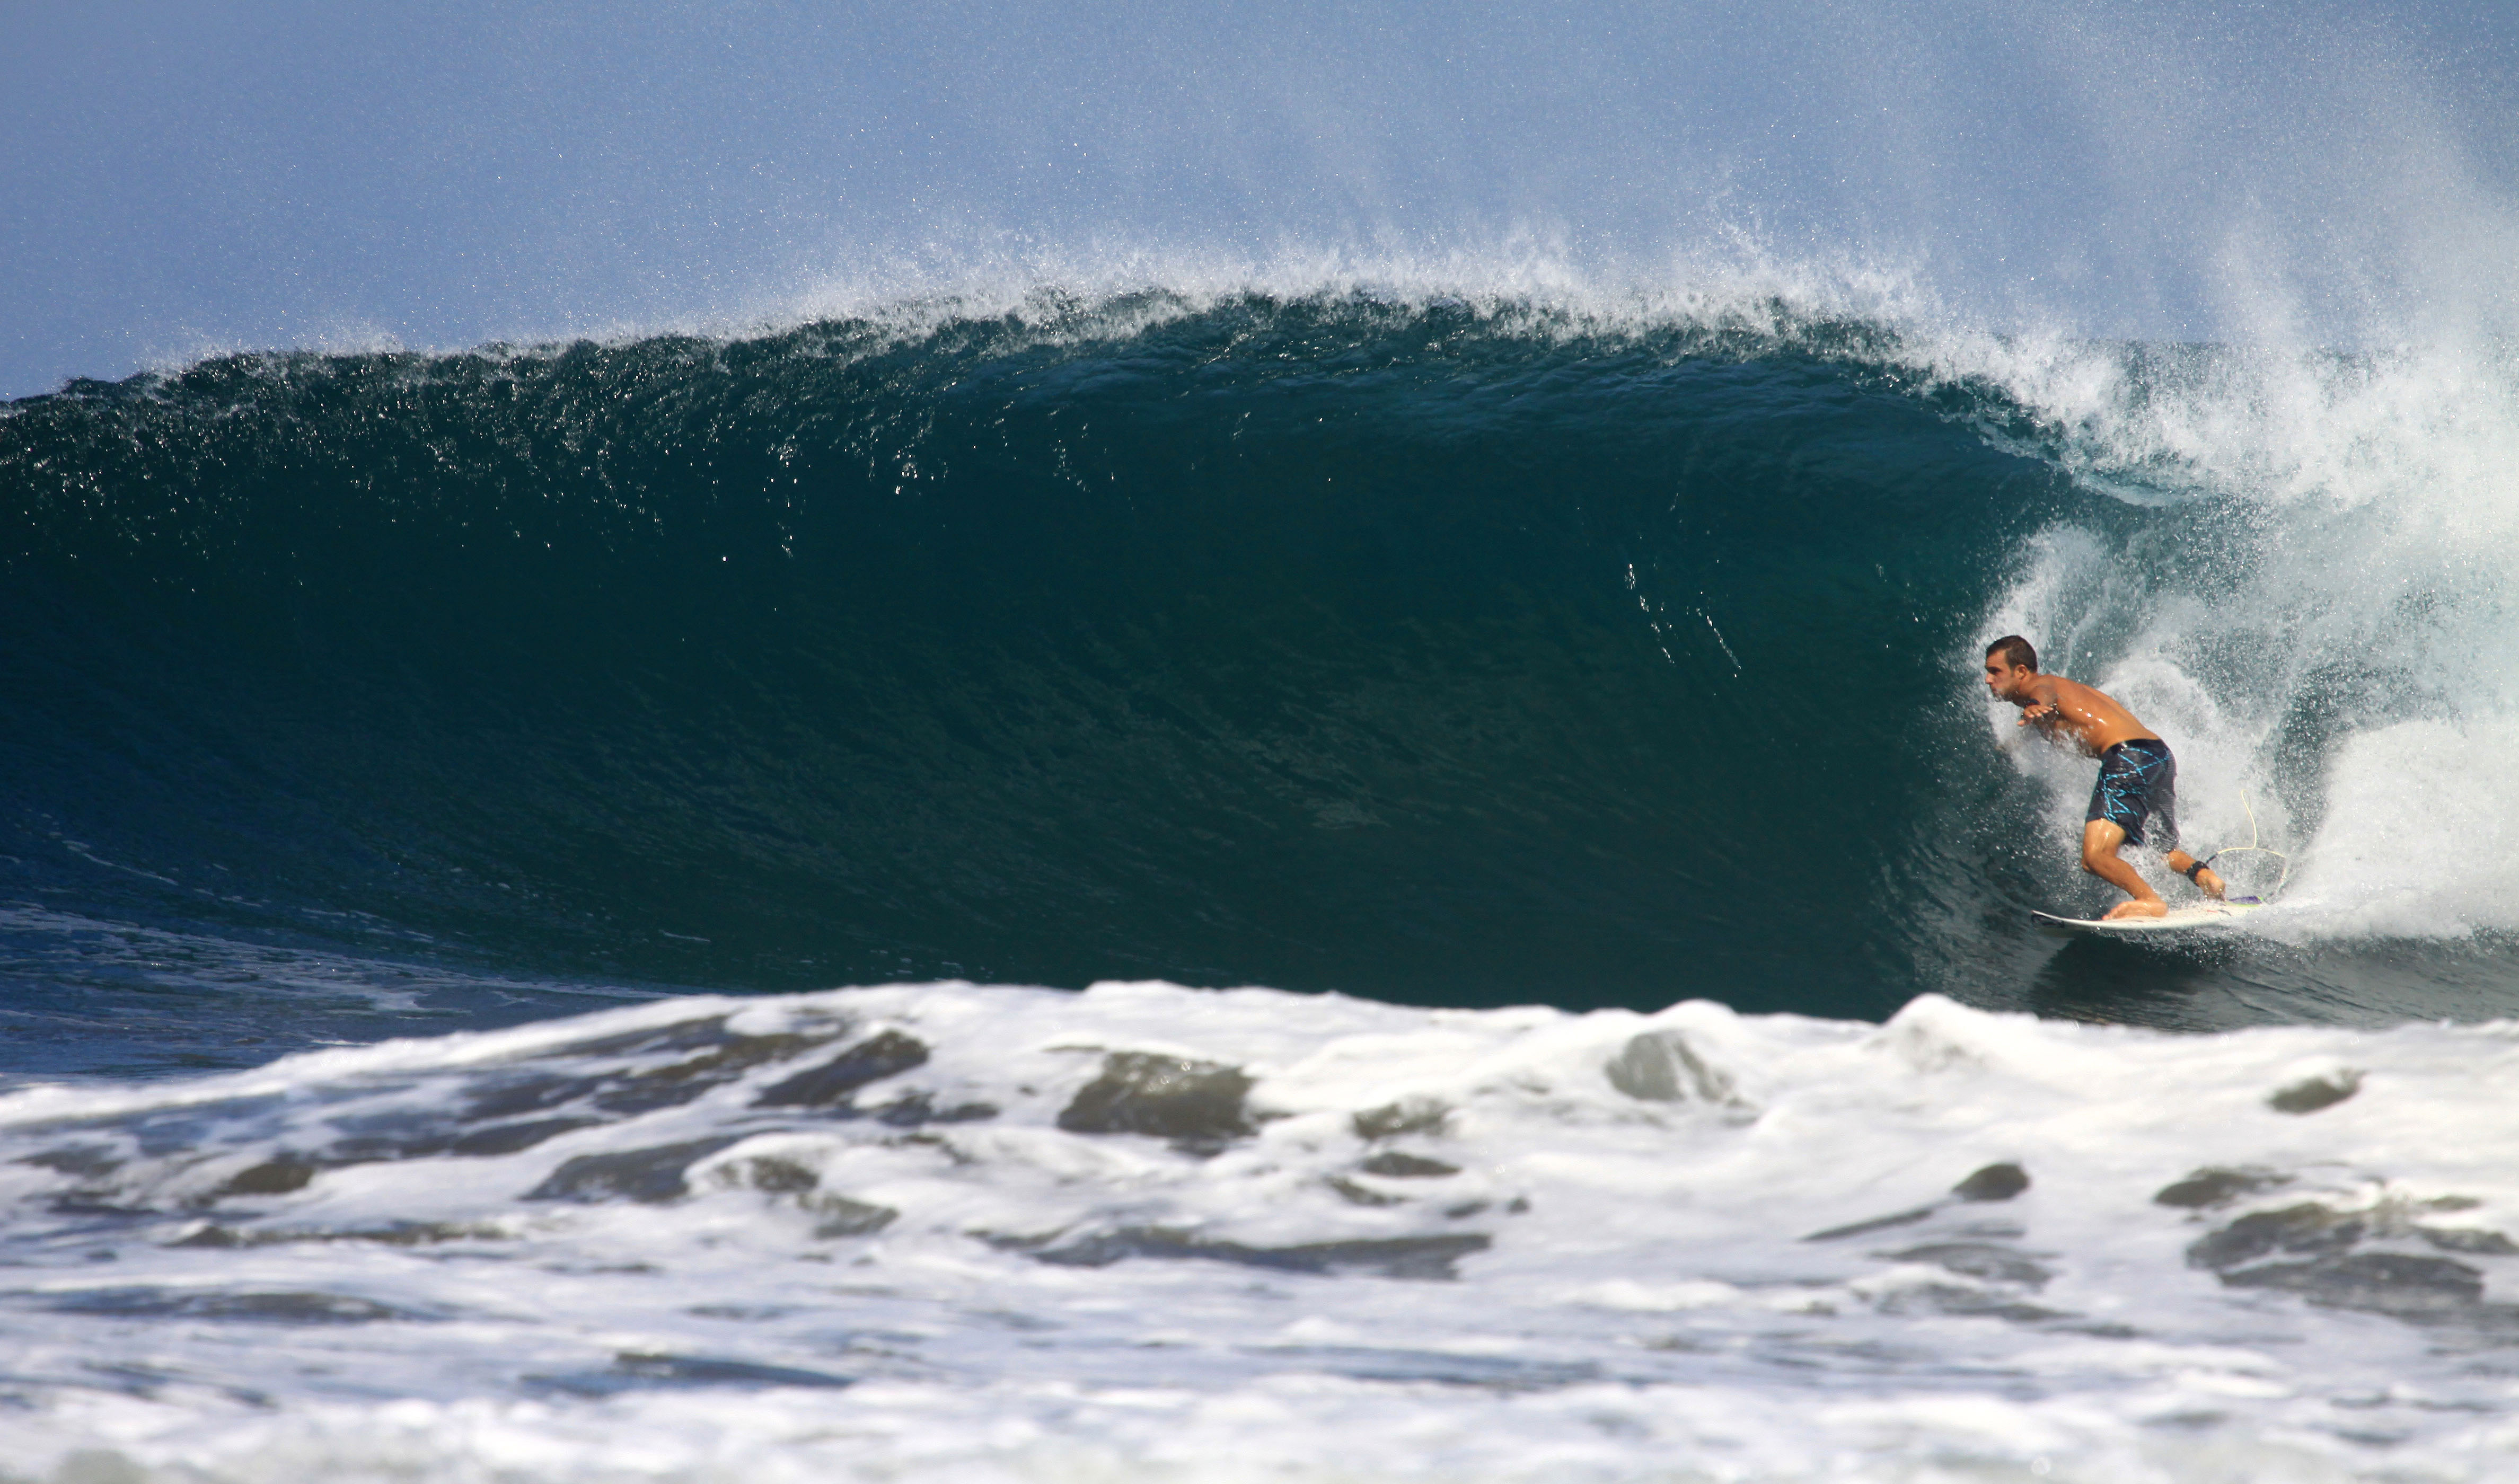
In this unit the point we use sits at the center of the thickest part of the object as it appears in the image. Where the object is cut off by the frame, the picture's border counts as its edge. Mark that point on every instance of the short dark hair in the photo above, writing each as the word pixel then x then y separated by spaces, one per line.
pixel 2015 651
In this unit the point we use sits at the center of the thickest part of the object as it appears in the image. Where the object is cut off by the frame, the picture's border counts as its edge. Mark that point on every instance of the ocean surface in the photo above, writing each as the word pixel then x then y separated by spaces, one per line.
pixel 447 800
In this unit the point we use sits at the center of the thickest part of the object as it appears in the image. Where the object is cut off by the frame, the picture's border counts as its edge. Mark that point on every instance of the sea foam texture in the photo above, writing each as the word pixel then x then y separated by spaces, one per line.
pixel 947 1231
pixel 2322 633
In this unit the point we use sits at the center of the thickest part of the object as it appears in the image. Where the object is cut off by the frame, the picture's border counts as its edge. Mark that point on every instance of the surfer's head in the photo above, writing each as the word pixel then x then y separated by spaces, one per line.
pixel 2011 663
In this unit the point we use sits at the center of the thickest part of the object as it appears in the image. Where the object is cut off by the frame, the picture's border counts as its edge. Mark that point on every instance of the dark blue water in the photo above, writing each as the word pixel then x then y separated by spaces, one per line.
pixel 1424 653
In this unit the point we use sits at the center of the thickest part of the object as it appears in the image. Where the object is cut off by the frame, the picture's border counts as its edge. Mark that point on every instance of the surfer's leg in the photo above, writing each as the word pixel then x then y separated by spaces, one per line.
pixel 2101 841
pixel 2203 876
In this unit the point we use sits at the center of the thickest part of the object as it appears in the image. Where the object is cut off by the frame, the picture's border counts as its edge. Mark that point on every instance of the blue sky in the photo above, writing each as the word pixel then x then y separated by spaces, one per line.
pixel 182 177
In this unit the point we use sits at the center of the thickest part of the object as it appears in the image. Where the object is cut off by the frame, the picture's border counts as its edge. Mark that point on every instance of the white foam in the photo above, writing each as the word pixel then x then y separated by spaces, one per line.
pixel 1650 1299
pixel 2422 837
pixel 2323 626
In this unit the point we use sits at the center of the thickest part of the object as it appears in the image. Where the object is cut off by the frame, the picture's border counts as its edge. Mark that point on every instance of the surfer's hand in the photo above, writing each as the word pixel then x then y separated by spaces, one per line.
pixel 2035 710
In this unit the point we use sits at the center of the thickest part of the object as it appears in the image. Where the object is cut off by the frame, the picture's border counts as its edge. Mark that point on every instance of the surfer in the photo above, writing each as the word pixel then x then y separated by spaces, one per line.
pixel 2138 777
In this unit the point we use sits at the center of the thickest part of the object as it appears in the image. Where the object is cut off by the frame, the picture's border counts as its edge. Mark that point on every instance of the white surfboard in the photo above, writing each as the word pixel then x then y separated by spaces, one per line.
pixel 2205 915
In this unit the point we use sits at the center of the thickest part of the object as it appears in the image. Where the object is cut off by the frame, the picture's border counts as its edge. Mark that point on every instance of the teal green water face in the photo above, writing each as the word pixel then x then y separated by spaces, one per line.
pixel 1411 652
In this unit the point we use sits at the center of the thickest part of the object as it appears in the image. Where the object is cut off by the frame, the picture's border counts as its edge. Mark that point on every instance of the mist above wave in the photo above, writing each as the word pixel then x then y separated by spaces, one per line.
pixel 2066 162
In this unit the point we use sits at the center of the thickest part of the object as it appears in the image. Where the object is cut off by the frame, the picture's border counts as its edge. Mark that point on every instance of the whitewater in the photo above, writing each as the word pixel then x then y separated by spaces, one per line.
pixel 954 1231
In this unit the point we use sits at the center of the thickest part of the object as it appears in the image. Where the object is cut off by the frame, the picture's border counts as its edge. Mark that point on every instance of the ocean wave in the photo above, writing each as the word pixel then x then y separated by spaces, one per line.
pixel 1424 637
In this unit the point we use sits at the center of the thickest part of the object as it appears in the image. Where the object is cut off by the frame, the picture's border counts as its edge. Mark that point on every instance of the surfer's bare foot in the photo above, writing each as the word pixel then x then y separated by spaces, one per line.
pixel 2136 907
pixel 2211 882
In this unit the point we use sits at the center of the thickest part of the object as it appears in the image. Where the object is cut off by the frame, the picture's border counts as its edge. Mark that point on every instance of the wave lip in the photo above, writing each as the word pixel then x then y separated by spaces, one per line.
pixel 872 1219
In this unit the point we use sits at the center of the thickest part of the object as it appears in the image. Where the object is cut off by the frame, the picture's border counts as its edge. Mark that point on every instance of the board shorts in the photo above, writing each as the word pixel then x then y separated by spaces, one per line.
pixel 2138 782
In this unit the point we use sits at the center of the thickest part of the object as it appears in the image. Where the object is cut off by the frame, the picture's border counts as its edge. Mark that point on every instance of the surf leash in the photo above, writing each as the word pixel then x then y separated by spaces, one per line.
pixel 2252 848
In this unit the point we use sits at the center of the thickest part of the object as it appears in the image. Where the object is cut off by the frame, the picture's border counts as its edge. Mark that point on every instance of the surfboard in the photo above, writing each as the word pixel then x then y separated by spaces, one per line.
pixel 2202 916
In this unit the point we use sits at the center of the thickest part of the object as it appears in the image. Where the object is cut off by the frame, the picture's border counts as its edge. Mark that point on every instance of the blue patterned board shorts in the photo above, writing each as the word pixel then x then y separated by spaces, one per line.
pixel 2138 781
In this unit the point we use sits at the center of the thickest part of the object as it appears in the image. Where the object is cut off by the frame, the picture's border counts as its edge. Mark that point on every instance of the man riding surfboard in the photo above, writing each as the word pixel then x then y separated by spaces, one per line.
pixel 2138 785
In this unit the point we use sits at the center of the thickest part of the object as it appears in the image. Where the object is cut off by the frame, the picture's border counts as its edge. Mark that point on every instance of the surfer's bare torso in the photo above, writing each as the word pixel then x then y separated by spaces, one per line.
pixel 2072 713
